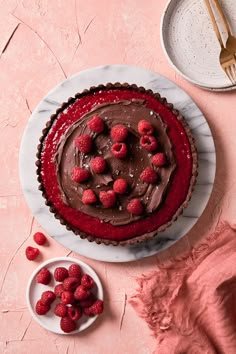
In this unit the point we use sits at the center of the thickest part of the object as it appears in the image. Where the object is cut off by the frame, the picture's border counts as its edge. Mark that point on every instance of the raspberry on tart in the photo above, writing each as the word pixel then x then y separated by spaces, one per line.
pixel 119 150
pixel 149 143
pixel 83 143
pixel 145 128
pixel 80 174
pixel 107 198
pixel 119 133
pixel 89 197
pixel 98 164
pixel 149 175
pixel 96 124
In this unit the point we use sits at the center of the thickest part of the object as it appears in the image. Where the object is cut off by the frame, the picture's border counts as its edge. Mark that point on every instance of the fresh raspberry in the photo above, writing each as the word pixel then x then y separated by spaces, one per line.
pixel 43 276
pixel 31 253
pixel 148 142
pixel 119 150
pixel 39 238
pixel 96 308
pixel 67 324
pixel 74 312
pixel 98 164
pixel 48 297
pixel 58 290
pixel 81 293
pixel 40 308
pixel 120 186
pixel 60 273
pixel 149 175
pixel 89 197
pixel 79 174
pixel 67 297
pixel 83 143
pixel 88 301
pixel 107 198
pixel 119 133
pixel 135 207
pixel 96 124
pixel 60 310
pixel 159 159
pixel 70 283
pixel 87 312
pixel 74 270
pixel 87 281
pixel 144 127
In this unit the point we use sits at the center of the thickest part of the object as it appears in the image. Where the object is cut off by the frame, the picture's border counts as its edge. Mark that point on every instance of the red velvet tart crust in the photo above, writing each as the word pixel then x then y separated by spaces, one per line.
pixel 116 164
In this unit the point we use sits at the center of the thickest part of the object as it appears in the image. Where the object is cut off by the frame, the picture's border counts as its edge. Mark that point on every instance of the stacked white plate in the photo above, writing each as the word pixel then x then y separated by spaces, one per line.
pixel 190 43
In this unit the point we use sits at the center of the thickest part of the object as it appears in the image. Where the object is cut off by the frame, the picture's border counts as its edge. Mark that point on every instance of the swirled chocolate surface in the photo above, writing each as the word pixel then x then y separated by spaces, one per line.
pixel 127 113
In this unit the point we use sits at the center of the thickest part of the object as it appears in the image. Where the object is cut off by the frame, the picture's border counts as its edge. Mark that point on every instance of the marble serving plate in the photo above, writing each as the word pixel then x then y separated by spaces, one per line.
pixel 190 44
pixel 141 77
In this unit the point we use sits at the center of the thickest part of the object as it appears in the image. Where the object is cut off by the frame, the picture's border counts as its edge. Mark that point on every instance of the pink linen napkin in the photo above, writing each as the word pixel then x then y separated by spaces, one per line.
pixel 189 303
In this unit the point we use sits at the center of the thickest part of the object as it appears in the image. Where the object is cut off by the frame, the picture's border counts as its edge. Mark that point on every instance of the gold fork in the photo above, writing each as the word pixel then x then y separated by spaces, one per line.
pixel 227 59
pixel 231 40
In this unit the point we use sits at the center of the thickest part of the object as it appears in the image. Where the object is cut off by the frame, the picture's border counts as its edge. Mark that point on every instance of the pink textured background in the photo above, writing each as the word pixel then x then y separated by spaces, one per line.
pixel 53 40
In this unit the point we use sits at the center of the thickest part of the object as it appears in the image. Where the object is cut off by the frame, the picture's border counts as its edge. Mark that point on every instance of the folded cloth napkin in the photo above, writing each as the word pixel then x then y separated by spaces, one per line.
pixel 189 302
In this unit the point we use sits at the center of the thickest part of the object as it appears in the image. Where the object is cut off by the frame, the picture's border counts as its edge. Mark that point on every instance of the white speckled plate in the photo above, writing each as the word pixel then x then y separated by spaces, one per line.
pixel 150 80
pixel 190 43
pixel 34 290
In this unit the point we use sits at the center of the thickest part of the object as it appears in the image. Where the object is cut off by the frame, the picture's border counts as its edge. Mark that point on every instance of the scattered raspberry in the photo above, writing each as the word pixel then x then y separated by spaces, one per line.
pixel 159 159
pixel 48 297
pixel 148 142
pixel 87 281
pixel 43 276
pixel 89 197
pixel 58 290
pixel 83 143
pixel 67 324
pixel 149 175
pixel 60 273
pixel 39 238
pixel 75 313
pixel 31 253
pixel 67 297
pixel 41 309
pixel 96 308
pixel 96 124
pixel 108 198
pixel 119 133
pixel 144 127
pixel 119 150
pixel 79 174
pixel 98 164
pixel 88 301
pixel 60 310
pixel 81 293
pixel 120 186
pixel 70 283
pixel 74 271
pixel 135 207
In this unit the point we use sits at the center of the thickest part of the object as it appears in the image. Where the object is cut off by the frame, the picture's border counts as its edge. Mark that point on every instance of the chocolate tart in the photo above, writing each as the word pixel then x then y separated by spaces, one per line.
pixel 162 199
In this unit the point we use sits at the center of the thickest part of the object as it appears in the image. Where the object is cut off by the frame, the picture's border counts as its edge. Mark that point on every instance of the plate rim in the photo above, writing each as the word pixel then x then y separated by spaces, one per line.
pixel 195 83
pixel 55 260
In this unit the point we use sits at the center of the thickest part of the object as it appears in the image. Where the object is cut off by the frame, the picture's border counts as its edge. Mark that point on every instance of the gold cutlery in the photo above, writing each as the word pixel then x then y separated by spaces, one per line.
pixel 231 40
pixel 226 58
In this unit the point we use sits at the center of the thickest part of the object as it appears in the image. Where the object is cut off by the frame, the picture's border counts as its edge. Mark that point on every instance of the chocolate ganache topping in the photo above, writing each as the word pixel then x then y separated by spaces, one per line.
pixel 127 113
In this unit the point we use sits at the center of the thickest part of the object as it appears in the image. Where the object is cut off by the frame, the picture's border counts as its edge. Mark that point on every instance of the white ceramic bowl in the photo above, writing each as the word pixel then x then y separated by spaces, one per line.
pixel 34 290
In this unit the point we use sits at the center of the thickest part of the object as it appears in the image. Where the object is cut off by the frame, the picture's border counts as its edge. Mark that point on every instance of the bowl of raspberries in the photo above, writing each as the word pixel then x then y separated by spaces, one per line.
pixel 64 295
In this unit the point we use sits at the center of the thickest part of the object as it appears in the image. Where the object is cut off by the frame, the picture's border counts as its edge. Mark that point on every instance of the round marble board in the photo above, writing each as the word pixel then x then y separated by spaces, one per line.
pixel 102 75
